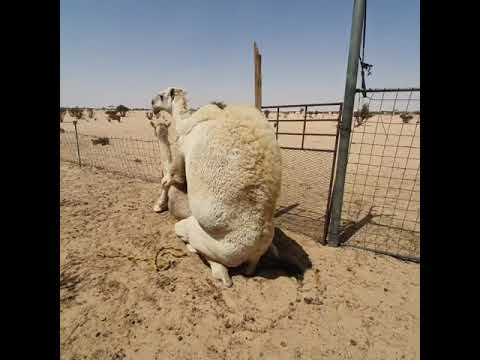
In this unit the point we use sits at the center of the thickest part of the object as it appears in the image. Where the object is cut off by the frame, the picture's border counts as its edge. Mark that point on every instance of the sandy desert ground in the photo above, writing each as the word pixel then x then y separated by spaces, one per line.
pixel 129 290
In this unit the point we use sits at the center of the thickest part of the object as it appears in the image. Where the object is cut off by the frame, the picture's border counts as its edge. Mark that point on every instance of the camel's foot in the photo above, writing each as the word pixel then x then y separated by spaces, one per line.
pixel 158 208
pixel 220 272
pixel 162 202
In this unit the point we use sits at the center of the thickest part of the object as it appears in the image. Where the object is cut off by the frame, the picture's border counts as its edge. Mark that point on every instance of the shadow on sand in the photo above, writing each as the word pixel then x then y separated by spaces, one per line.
pixel 293 260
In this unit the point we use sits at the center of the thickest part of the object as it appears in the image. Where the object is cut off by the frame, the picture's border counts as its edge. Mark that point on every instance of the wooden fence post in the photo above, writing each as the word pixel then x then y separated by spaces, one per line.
pixel 257 57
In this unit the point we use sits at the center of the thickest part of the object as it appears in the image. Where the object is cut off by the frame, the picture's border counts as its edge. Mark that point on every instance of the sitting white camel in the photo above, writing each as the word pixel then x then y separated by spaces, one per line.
pixel 232 166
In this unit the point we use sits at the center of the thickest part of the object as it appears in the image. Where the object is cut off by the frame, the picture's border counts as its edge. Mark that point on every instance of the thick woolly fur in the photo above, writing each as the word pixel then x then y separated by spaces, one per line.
pixel 233 171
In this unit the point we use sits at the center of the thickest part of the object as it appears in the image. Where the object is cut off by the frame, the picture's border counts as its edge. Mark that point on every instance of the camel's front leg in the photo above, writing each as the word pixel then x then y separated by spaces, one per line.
pixel 162 202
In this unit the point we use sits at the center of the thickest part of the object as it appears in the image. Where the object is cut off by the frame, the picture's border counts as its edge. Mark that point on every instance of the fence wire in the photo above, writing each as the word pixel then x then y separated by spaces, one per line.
pixel 381 205
pixel 131 157
pixel 305 173
pixel 304 196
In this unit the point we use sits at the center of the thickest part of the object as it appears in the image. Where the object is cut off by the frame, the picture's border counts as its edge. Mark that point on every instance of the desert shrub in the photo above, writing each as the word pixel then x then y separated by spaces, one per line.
pixel 266 113
pixel 149 115
pixel 101 140
pixel 122 110
pixel 406 117
pixel 220 104
pixel 63 111
pixel 301 110
pixel 76 112
pixel 112 115
pixel 363 115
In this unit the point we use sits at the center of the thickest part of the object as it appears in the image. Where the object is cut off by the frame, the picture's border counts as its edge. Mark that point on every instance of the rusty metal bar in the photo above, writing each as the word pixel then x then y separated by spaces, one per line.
pixel 388 90
pixel 300 105
pixel 330 186
pixel 306 134
pixel 313 120
pixel 304 125
pixel 306 149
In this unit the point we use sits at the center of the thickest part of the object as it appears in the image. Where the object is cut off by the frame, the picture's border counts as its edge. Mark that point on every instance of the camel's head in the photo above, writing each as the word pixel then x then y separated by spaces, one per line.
pixel 160 129
pixel 164 100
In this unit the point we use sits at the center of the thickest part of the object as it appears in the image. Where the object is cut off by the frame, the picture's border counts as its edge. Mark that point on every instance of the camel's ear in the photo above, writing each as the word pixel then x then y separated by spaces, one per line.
pixel 153 124
pixel 172 93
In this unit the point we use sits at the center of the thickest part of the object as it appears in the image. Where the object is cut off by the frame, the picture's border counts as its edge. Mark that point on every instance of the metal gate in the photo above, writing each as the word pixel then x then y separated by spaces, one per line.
pixel 381 202
pixel 308 137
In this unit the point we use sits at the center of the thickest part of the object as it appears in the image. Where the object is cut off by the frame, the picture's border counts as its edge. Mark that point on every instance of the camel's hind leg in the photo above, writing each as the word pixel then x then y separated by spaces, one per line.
pixel 253 262
pixel 251 266
pixel 198 241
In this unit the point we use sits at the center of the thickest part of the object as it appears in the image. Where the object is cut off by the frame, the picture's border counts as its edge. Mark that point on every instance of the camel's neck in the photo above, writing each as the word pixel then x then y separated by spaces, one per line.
pixel 165 153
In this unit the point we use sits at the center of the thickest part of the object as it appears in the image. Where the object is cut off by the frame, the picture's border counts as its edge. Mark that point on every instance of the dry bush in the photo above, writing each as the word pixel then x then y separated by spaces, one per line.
pixel 101 140
pixel 113 115
pixel 362 116
pixel 406 117
pixel 63 112
pixel 122 110
pixel 76 112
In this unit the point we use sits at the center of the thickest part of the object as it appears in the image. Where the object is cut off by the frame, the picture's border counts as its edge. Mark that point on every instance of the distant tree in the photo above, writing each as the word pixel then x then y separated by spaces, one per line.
pixel 76 112
pixel 122 110
pixel 63 111
pixel 406 117
pixel 112 115
pixel 363 115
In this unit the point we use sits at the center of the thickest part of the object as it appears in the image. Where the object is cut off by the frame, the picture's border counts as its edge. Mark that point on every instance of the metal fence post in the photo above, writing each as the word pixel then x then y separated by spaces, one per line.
pixel 346 123
pixel 78 146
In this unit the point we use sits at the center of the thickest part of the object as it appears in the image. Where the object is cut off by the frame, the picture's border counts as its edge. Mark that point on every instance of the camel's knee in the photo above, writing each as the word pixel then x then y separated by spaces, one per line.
pixel 182 230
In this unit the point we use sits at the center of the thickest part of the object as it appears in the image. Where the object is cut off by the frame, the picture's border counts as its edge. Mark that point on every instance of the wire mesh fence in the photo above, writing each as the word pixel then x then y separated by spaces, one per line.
pixel 307 139
pixel 307 135
pixel 381 204
pixel 131 157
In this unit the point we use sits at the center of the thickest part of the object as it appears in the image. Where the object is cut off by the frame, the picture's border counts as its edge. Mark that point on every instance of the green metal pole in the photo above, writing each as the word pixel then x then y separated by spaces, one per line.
pixel 346 123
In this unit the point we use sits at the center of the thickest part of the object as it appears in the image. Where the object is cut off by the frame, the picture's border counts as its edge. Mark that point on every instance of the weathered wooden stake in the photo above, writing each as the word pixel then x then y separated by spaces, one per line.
pixel 257 58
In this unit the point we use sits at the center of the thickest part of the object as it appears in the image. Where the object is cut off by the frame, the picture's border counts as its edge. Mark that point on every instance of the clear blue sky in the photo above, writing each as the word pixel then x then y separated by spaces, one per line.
pixel 124 51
